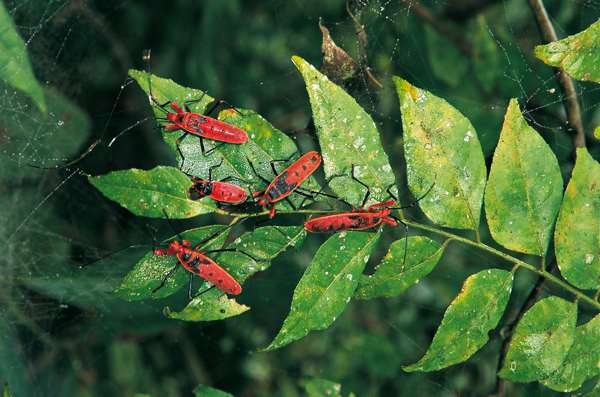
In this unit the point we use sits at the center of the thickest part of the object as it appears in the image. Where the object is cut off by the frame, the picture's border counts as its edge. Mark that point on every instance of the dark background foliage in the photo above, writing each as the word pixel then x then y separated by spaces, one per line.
pixel 65 334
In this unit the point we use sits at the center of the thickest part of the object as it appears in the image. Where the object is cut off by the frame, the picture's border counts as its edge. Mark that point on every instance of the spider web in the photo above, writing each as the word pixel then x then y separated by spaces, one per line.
pixel 68 331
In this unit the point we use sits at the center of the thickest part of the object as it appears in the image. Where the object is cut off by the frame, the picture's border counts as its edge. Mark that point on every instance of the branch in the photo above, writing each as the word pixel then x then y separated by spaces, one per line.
pixel 511 259
pixel 570 100
pixel 441 26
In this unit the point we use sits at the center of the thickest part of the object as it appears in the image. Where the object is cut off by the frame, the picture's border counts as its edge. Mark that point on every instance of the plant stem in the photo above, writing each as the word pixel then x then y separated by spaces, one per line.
pixel 570 100
pixel 543 273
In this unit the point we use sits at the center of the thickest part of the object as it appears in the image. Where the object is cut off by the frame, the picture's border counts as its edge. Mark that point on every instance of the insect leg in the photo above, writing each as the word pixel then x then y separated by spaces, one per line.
pixel 186 104
pixel 162 283
pixel 415 201
pixel 190 286
pixel 212 167
pixel 234 250
pixel 368 193
pixel 209 151
pixel 272 162
pixel 262 178
pixel 203 292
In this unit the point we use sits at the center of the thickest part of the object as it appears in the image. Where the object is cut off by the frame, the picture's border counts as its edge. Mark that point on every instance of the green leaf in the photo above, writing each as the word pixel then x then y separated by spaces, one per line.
pixel 447 62
pixel 210 306
pixel 468 320
pixel 347 136
pixel 486 56
pixel 150 193
pixel 441 149
pixel 205 391
pixel 16 69
pixel 578 55
pixel 264 244
pixel 149 272
pixel 524 189
pixel 597 132
pixel 327 285
pixel 265 142
pixel 577 235
pixel 541 341
pixel 394 275
pixel 317 387
pixel 581 363
pixel 6 391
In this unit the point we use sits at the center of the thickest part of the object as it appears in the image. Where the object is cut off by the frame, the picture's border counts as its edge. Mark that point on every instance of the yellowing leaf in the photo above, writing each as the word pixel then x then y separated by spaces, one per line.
pixel 347 136
pixel 468 320
pixel 327 285
pixel 578 55
pixel 524 189
pixel 540 341
pixel 577 235
pixel 442 150
pixel 394 274
pixel 582 361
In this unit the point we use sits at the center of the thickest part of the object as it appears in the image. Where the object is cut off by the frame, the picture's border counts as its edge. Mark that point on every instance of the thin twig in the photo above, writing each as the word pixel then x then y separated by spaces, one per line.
pixel 570 100
pixel 441 26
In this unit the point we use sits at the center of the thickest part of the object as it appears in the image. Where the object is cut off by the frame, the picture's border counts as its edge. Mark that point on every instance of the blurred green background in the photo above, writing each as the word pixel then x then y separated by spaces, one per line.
pixel 62 333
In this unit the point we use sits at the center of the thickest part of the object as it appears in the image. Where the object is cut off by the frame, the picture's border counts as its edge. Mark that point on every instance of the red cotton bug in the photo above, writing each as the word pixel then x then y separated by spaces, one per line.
pixel 220 191
pixel 200 125
pixel 287 181
pixel 199 264
pixel 360 218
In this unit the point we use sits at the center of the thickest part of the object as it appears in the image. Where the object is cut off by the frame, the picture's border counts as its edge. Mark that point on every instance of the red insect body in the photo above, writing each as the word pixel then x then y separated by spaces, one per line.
pixel 204 126
pixel 201 265
pixel 286 182
pixel 218 191
pixel 358 219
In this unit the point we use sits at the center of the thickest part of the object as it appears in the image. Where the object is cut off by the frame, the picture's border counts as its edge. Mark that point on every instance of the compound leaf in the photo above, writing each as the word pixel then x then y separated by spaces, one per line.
pixel 327 285
pixel 541 341
pixel 577 235
pixel 524 189
pixel 151 193
pixel 442 150
pixel 347 136
pixel 394 274
pixel 467 321
pixel 578 55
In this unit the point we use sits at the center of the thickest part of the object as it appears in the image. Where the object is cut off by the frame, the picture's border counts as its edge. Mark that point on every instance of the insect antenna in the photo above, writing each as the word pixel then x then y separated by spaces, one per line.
pixel 414 202
pixel 172 225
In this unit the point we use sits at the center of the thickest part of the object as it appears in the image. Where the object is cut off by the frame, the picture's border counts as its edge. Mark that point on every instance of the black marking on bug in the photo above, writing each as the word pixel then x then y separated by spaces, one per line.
pixel 358 220
pixel 195 122
pixel 185 256
pixel 195 262
pixel 314 159
pixel 281 186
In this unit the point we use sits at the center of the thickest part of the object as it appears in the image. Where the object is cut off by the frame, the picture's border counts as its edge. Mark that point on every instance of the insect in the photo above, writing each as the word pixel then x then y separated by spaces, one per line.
pixel 286 182
pixel 220 191
pixel 181 118
pixel 196 261
pixel 360 218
